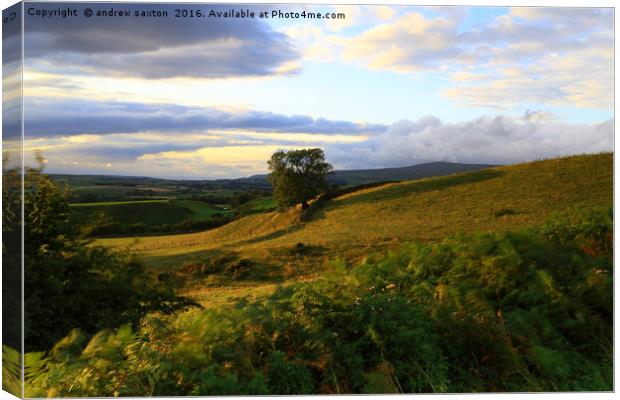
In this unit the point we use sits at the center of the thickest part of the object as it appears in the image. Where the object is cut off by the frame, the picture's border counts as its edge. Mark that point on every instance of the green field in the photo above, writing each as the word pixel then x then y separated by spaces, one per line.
pixel 149 212
pixel 259 205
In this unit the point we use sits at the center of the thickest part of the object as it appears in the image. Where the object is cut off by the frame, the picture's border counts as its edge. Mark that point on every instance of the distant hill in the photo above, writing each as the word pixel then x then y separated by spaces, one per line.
pixel 131 181
pixel 428 170
pixel 341 178
pixel 362 176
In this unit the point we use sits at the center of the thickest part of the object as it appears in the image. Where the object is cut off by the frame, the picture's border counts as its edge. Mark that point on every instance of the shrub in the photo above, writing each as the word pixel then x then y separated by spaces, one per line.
pixel 240 269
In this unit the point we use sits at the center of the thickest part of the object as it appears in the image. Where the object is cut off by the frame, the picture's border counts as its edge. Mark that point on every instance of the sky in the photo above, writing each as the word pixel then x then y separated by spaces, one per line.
pixel 388 86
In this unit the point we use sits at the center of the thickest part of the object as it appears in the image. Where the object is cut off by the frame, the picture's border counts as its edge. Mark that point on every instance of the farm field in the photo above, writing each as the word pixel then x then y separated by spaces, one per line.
pixel 149 212
pixel 263 204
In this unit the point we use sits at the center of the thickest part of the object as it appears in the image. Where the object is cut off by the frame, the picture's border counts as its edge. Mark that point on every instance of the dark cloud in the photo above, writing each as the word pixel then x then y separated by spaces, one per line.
pixel 11 74
pixel 52 117
pixel 155 47
pixel 126 152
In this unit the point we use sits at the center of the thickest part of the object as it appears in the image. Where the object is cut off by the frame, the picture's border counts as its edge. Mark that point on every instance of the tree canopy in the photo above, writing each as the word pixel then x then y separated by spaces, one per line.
pixel 298 176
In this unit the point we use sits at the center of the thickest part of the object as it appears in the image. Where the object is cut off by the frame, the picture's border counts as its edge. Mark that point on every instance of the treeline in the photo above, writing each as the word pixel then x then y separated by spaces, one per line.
pixel 523 311
pixel 96 197
pixel 235 200
pixel 107 227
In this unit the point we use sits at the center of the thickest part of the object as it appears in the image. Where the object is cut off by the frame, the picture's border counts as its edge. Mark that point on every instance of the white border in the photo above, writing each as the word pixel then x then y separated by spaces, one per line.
pixel 498 3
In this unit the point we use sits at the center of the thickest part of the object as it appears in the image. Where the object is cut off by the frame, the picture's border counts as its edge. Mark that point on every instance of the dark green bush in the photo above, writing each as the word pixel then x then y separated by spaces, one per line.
pixel 285 377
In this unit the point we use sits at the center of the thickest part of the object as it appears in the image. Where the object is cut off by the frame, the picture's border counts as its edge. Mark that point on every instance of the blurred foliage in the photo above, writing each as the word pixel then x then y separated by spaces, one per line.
pixel 11 371
pixel 529 310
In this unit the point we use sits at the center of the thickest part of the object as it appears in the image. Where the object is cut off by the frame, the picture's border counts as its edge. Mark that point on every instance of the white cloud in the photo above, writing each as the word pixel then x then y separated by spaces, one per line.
pixel 531 55
pixel 571 17
pixel 384 12
pixel 324 40
pixel 237 153
pixel 411 43
pixel 315 44
pixel 494 140
pixel 582 78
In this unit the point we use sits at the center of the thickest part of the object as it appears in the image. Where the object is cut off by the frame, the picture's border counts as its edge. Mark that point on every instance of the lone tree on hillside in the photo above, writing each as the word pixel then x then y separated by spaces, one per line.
pixel 297 176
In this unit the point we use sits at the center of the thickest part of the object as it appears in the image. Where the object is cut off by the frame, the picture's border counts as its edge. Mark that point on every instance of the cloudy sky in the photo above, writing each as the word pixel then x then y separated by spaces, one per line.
pixel 386 86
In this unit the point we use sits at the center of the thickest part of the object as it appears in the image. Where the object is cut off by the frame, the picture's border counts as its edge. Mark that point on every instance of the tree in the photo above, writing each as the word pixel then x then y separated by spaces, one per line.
pixel 69 283
pixel 298 176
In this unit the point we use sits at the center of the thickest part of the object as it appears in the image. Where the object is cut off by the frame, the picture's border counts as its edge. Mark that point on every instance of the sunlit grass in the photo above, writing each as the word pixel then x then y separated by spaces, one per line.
pixel 497 199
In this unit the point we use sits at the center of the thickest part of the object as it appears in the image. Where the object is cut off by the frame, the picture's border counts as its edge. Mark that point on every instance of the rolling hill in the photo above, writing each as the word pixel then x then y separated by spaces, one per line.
pixel 364 176
pixel 427 170
pixel 162 205
pixel 384 217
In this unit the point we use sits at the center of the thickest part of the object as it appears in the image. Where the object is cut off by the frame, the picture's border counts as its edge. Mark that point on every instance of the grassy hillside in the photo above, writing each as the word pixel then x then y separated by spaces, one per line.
pixel 495 199
pixel 433 169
